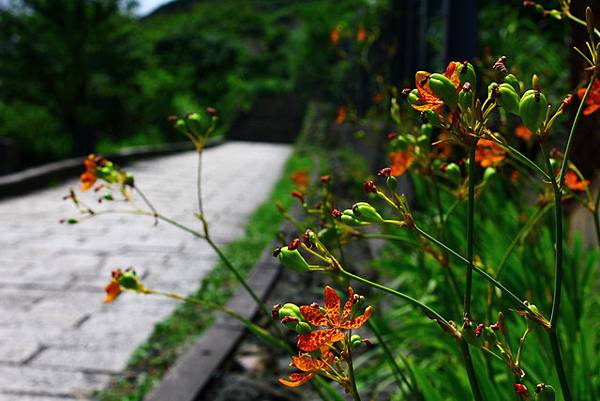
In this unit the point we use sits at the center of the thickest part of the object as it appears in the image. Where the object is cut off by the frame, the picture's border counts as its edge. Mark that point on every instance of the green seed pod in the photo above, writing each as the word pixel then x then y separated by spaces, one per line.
pixel 303 328
pixel 453 171
pixel 413 98
pixel 427 130
pixel 493 89
pixel 544 392
pixel 467 74
pixel 401 142
pixel 355 341
pixel 488 173
pixel 351 220
pixel 508 98
pixel 292 259
pixel 532 109
pixel 443 88
pixel 291 310
pixel 465 99
pixel 513 81
pixel 197 124
pixel 431 117
pixel 534 308
pixel 366 213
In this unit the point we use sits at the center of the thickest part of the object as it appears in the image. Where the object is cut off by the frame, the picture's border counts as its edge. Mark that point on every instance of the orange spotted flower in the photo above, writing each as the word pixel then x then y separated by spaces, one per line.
pixel 113 289
pixel 573 182
pixel 88 178
pixel 489 153
pixel 401 161
pixel 592 102
pixel 332 318
pixel 309 365
pixel 428 100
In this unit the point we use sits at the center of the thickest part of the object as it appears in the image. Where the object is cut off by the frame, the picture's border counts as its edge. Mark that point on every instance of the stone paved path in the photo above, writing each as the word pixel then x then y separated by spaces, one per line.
pixel 57 340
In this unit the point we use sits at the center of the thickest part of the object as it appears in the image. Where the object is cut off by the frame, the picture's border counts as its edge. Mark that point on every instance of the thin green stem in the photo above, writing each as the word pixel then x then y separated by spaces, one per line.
pixel 596 213
pixel 521 157
pixel 476 269
pixel 558 274
pixel 567 152
pixel 180 226
pixel 391 237
pixel 355 394
pixel 199 184
pixel 261 305
pixel 464 347
pixel 431 313
pixel 470 227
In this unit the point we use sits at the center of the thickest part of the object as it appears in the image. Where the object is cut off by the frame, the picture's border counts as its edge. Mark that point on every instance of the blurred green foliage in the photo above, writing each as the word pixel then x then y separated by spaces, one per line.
pixel 89 75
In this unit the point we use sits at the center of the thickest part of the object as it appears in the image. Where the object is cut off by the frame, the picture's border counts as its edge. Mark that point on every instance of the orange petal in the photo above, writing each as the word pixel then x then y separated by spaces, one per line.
pixel 573 182
pixel 314 316
pixel 307 364
pixel 87 180
pixel 296 379
pixel 113 289
pixel 452 73
pixel 357 321
pixel 591 109
pixel 332 305
pixel 349 304
pixel 316 339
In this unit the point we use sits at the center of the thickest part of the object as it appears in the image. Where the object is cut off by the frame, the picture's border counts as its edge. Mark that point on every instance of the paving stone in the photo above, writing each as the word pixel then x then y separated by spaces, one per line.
pixel 57 339
pixel 49 382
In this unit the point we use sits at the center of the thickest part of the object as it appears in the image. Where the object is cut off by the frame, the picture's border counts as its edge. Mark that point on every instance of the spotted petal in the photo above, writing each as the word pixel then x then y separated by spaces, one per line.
pixel 452 73
pixel 296 379
pixel 307 363
pixel 332 305
pixel 357 321
pixel 315 339
pixel 349 304
pixel 314 316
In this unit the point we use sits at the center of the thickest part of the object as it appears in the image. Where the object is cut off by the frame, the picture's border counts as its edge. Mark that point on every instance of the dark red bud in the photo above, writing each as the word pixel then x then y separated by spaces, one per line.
pixel 172 118
pixel 466 86
pixel 277 251
pixel 479 330
pixel 528 3
pixel 306 237
pixel 275 311
pixel 567 102
pixel 405 92
pixel 500 64
pixel 443 167
pixel 289 319
pixel 317 205
pixel 325 179
pixel 336 213
pixel 391 135
pixel 521 390
pixel 385 172
pixel 495 326
pixel 314 305
pixel 212 111
pixel 370 187
pixel 299 195
pixel 294 244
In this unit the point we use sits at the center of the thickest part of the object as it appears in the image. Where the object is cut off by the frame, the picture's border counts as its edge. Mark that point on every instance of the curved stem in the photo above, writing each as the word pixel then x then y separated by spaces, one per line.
pixel 558 274
pixel 432 314
pixel 476 269
pixel 391 237
pixel 355 394
pixel 521 157
pixel 464 347
pixel 567 152
pixel 470 227
pixel 596 214
pixel 199 184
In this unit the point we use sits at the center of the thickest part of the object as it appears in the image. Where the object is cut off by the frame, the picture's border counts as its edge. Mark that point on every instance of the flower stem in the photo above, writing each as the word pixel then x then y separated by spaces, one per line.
pixel 558 276
pixel 565 162
pixel 431 313
pixel 464 347
pixel 355 394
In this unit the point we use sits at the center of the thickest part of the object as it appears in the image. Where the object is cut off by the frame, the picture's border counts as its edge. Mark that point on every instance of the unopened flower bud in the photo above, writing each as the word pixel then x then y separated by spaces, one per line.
pixel 336 213
pixel 130 281
pixel 325 179
pixel 366 213
pixel 370 187
pixel 299 195
pixel 292 259
pixel 589 20
pixel 443 88
pixel 514 82
pixel 566 102
pixel 384 172
pixel 544 392
pixel 521 390
pixel 275 311
pixel 500 65
pixel 479 330
pixel 532 109
pixel 294 244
